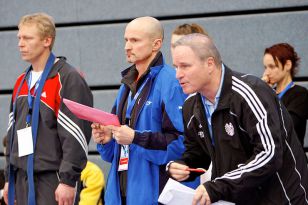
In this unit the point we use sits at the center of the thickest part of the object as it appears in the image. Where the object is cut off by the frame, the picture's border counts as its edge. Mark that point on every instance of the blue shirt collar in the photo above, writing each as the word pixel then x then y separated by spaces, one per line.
pixel 219 89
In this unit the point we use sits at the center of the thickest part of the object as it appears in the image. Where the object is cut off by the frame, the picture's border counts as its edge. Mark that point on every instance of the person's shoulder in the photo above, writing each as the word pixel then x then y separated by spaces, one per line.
pixel 92 165
pixel 63 67
pixel 191 99
pixel 66 70
pixel 300 89
pixel 18 81
pixel 92 168
pixel 189 104
pixel 19 78
pixel 167 71
pixel 249 80
pixel 247 87
pixel 166 76
pixel 246 77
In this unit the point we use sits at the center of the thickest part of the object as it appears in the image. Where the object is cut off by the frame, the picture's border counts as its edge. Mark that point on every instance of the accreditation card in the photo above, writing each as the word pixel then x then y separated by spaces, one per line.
pixel 124 158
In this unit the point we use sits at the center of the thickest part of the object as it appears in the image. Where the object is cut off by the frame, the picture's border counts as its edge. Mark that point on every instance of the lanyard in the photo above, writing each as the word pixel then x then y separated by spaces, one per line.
pixel 131 102
pixel 35 120
pixel 124 155
pixel 31 97
pixel 285 90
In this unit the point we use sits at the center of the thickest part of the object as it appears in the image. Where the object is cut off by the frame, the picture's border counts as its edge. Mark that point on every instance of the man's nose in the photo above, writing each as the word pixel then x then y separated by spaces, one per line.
pixel 178 73
pixel 127 45
pixel 20 43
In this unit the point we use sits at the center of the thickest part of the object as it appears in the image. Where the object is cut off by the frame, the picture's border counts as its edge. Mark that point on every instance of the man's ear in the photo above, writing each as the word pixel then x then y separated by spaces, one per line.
pixel 157 43
pixel 47 41
pixel 210 62
pixel 288 65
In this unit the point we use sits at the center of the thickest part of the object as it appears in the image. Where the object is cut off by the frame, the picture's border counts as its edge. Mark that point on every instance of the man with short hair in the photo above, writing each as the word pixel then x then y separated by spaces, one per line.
pixel 237 122
pixel 149 106
pixel 47 145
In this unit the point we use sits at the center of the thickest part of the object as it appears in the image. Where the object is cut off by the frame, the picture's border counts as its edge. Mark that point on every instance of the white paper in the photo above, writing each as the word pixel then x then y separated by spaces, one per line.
pixel 221 202
pixel 25 141
pixel 207 175
pixel 175 193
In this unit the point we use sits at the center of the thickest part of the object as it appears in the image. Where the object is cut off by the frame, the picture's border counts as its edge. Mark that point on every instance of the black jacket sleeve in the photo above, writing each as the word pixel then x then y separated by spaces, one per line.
pixel 74 133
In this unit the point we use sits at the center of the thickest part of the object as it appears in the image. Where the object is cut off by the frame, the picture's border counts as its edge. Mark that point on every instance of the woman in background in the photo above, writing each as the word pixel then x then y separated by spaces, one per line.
pixel 281 64
pixel 185 29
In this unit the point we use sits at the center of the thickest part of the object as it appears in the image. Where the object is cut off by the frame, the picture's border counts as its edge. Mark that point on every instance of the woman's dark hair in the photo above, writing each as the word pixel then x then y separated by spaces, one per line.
pixel 282 52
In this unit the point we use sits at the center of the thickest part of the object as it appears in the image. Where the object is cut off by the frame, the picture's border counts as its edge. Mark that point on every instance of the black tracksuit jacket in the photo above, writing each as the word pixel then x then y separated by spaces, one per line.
pixel 62 139
pixel 257 158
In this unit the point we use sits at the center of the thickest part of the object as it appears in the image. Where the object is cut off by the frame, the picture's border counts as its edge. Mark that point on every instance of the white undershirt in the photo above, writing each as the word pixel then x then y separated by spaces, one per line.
pixel 35 77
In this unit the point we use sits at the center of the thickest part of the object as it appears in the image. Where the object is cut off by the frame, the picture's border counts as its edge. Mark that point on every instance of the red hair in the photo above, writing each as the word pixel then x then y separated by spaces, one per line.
pixel 282 52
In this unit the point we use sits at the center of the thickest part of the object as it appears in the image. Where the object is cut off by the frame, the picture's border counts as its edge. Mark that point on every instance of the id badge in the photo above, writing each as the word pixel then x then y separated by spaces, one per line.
pixel 124 157
pixel 25 141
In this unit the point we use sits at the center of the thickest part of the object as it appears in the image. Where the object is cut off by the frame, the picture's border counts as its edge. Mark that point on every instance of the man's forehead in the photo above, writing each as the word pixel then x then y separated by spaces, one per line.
pixel 180 56
pixel 29 30
pixel 27 27
pixel 183 54
pixel 136 33
pixel 182 49
pixel 141 26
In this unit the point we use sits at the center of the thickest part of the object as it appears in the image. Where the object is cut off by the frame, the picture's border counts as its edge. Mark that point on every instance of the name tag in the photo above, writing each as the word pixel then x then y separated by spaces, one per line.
pixel 25 142
pixel 124 158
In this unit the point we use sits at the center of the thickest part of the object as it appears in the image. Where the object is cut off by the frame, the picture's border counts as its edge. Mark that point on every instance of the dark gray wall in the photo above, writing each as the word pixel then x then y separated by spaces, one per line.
pixel 90 35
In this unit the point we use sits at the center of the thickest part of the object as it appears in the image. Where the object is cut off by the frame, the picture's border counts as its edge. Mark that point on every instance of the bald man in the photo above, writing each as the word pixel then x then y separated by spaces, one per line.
pixel 148 105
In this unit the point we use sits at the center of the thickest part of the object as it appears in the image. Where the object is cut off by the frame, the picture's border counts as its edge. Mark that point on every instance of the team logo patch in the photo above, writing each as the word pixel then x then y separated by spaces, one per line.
pixel 201 134
pixel 229 129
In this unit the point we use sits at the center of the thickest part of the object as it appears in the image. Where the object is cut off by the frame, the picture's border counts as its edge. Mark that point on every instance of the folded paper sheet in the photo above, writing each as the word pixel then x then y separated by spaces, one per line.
pixel 176 193
pixel 91 114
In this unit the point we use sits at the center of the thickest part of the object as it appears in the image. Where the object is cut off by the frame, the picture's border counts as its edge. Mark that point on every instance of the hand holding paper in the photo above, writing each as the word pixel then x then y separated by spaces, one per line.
pixel 175 193
pixel 101 134
pixel 123 135
pixel 91 114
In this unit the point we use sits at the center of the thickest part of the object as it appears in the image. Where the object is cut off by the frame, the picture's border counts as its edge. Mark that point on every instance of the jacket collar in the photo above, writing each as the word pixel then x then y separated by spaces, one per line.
pixel 130 74
pixel 132 71
pixel 55 68
pixel 199 113
pixel 224 100
pixel 224 103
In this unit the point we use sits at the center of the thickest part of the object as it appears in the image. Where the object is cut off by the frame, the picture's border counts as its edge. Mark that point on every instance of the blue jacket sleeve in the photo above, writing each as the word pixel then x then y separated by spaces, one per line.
pixel 106 150
pixel 166 144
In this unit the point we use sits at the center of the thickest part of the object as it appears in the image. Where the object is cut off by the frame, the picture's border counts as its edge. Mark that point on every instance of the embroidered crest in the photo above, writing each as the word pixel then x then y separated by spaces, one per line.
pixel 229 129
pixel 201 134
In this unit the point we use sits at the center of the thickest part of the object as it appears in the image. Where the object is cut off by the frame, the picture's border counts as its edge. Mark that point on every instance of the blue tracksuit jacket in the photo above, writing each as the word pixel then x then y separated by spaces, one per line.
pixel 158 123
